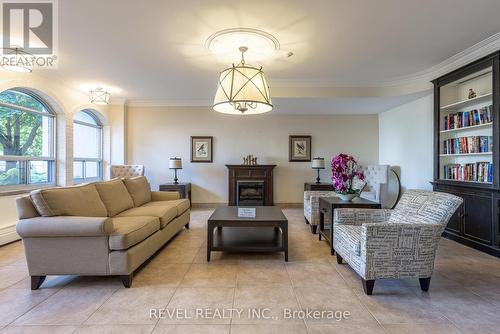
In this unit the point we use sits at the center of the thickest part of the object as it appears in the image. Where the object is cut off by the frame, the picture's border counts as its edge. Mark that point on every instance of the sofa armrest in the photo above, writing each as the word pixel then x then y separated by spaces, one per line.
pixel 309 194
pixel 164 195
pixel 361 216
pixel 64 226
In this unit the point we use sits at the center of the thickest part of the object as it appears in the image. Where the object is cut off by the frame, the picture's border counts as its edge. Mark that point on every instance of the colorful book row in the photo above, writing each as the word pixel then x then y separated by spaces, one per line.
pixel 468 118
pixel 471 144
pixel 475 172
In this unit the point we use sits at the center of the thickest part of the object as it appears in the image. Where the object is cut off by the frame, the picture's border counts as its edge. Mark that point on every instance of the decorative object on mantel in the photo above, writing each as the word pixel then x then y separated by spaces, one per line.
pixel 175 164
pixel 318 163
pixel 472 93
pixel 345 172
pixel 299 148
pixel 201 149
pixel 249 160
pixel 242 90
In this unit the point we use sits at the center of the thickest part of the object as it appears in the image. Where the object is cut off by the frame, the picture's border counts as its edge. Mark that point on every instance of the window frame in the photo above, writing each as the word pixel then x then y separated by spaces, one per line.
pixel 98 125
pixel 24 160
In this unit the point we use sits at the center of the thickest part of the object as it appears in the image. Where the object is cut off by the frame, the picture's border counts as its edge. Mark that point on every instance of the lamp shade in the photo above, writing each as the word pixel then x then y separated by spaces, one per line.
pixel 242 90
pixel 175 163
pixel 318 163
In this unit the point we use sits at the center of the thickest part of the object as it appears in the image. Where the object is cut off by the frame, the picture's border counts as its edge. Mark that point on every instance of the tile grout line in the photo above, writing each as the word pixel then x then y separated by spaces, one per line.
pixel 296 298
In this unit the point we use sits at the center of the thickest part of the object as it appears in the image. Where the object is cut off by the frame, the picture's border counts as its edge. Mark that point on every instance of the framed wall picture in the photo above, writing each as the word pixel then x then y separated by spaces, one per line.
pixel 299 148
pixel 201 149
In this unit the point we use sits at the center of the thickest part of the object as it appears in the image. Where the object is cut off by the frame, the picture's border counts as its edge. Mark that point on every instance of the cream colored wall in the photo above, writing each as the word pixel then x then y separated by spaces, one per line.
pixel 406 141
pixel 157 133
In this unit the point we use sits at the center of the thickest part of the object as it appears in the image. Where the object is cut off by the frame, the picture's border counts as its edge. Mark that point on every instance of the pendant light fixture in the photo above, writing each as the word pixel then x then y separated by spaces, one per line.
pixel 99 96
pixel 17 60
pixel 242 90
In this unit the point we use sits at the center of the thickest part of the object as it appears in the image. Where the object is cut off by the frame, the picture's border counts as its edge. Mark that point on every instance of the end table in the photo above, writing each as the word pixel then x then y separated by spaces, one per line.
pixel 318 186
pixel 184 189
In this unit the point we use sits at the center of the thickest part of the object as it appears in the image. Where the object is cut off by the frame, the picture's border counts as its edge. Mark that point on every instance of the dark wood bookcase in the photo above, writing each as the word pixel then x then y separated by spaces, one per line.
pixel 456 170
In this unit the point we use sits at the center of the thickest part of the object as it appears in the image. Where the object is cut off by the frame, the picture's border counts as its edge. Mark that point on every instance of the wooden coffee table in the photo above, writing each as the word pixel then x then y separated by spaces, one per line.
pixel 267 232
pixel 327 206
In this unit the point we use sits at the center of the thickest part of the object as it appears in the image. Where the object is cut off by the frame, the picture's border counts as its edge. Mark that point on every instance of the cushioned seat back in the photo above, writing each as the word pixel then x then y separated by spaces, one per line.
pixel 115 196
pixel 81 200
pixel 139 189
pixel 425 207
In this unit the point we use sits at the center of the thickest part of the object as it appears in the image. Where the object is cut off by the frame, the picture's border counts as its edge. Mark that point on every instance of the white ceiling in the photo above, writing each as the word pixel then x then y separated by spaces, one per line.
pixel 154 50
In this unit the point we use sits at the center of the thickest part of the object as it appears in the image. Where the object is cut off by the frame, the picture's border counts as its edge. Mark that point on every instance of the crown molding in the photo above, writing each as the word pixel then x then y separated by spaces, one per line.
pixel 472 53
pixel 138 103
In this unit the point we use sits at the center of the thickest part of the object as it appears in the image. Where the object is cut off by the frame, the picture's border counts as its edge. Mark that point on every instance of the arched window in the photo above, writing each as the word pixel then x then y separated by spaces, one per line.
pixel 87 147
pixel 27 140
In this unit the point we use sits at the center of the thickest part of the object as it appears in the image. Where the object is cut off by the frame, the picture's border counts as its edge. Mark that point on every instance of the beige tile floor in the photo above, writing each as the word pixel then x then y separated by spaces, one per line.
pixel 464 295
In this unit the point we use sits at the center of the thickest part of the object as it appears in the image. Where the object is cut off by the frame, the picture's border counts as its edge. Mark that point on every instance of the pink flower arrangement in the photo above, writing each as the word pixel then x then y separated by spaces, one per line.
pixel 344 170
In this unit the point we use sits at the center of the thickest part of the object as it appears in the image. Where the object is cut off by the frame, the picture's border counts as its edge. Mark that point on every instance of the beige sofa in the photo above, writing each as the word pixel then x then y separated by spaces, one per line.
pixel 102 228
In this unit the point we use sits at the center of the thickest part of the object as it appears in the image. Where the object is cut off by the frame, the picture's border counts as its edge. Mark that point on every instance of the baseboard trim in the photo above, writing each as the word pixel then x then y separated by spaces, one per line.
pixel 8 234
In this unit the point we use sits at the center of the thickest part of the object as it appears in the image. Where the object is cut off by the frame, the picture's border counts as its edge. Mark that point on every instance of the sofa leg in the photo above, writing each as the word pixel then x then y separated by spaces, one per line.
pixel 36 281
pixel 187 226
pixel 127 280
pixel 339 258
pixel 307 221
pixel 313 228
pixel 368 285
pixel 424 283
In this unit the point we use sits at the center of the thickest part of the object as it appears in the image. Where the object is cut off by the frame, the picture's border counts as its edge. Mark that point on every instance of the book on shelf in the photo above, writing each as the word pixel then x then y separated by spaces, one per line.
pixel 465 145
pixel 475 172
pixel 465 119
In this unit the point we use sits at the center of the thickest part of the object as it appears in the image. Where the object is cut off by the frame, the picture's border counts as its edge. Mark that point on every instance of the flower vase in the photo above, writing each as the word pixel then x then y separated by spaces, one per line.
pixel 347 197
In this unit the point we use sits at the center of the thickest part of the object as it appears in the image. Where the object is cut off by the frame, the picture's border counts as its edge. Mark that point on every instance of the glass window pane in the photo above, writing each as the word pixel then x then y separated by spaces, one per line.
pixel 85 117
pixel 9 173
pixel 78 169
pixel 91 169
pixel 22 99
pixel 86 141
pixel 40 172
pixel 26 134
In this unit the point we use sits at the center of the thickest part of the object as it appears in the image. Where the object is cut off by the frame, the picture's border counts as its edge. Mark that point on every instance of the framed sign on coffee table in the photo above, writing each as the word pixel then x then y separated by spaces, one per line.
pixel 201 149
pixel 299 148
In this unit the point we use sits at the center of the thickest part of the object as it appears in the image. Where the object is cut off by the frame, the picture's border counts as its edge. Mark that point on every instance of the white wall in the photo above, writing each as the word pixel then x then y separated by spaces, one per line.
pixel 157 133
pixel 406 140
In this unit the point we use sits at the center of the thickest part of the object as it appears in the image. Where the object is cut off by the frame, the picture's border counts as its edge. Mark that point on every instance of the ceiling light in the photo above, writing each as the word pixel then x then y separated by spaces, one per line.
pixel 225 44
pixel 242 90
pixel 17 60
pixel 99 96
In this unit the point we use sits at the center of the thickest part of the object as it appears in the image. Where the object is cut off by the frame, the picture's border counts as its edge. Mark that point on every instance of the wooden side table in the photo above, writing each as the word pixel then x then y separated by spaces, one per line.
pixel 327 206
pixel 184 189
pixel 318 186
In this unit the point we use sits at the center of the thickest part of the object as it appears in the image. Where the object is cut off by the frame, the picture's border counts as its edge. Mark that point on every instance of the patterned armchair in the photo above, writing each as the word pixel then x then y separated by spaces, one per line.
pixel 311 206
pixel 126 171
pixel 399 243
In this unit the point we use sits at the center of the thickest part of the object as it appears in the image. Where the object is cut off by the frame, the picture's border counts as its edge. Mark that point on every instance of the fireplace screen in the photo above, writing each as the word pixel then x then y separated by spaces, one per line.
pixel 250 193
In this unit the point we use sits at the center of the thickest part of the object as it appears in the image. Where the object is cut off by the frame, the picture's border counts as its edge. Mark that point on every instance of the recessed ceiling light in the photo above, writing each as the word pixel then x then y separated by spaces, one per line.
pixel 225 44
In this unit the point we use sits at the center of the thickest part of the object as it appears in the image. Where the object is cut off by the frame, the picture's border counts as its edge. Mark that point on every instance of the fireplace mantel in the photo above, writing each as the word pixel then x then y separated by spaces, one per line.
pixel 251 173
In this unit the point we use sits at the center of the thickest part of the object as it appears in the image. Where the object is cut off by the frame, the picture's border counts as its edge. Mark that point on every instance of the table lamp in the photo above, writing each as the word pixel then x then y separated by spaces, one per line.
pixel 318 163
pixel 175 164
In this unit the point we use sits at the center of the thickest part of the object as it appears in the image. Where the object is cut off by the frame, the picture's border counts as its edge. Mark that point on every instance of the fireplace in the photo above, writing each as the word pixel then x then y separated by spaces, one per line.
pixel 250 192
pixel 250 185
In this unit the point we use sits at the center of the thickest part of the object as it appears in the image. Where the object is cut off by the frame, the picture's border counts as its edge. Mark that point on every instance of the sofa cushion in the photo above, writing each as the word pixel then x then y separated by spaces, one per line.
pixel 115 196
pixel 83 200
pixel 182 205
pixel 165 213
pixel 129 231
pixel 139 188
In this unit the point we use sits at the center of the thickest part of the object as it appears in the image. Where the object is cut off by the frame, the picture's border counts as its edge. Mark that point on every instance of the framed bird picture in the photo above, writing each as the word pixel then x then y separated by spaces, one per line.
pixel 201 149
pixel 299 148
